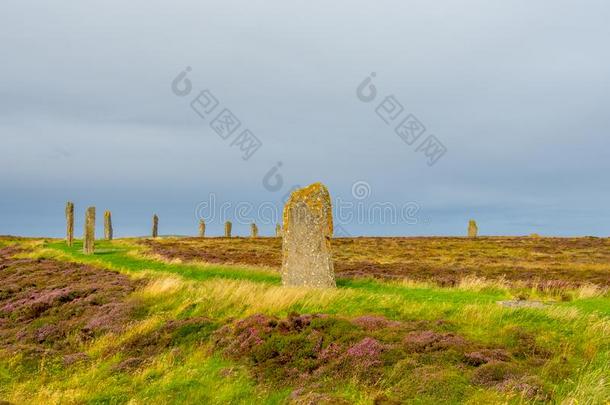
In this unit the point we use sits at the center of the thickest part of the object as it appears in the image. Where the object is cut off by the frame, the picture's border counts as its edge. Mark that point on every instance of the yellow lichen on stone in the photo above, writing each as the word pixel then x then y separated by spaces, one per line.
pixel 317 199
pixel 473 229
pixel 108 232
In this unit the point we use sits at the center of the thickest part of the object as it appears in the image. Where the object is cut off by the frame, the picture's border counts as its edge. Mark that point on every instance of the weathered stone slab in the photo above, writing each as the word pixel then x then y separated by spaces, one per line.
pixel 89 235
pixel 155 226
pixel 306 243
pixel 253 230
pixel 69 223
pixel 523 304
pixel 278 230
pixel 473 229
pixel 228 228
pixel 201 228
pixel 108 225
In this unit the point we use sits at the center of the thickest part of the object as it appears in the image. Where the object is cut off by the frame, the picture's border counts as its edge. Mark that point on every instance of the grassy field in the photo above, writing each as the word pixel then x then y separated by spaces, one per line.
pixel 545 262
pixel 413 320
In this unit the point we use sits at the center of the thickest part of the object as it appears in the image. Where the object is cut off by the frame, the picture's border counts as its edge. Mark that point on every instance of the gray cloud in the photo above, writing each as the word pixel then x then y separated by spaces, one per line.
pixel 516 91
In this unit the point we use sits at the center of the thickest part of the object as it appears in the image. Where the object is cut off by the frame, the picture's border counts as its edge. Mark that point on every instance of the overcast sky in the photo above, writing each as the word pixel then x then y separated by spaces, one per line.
pixel 517 92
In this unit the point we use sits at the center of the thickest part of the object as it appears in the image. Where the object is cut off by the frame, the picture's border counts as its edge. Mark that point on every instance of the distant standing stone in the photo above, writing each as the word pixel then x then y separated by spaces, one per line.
pixel 307 231
pixel 69 223
pixel 253 230
pixel 155 226
pixel 228 227
pixel 278 230
pixel 201 228
pixel 89 236
pixel 473 229
pixel 107 225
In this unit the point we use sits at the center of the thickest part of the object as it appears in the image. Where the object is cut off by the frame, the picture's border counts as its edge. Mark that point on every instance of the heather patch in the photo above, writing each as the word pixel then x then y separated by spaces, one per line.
pixel 485 356
pixel 427 340
pixel 312 353
pixel 49 307
pixel 509 377
pixel 140 349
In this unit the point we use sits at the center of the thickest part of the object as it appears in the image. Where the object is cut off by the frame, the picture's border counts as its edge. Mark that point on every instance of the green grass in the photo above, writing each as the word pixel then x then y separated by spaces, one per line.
pixel 114 255
pixel 597 305
pixel 574 337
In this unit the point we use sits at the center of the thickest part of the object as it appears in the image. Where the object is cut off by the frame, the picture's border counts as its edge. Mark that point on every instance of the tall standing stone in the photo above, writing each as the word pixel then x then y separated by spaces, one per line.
pixel 69 223
pixel 228 227
pixel 155 226
pixel 89 236
pixel 201 228
pixel 278 231
pixel 253 230
pixel 307 231
pixel 473 229
pixel 107 225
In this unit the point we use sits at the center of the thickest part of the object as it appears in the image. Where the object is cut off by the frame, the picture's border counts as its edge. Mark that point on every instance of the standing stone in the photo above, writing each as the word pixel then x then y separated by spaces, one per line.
pixel 155 227
pixel 107 225
pixel 253 230
pixel 278 231
pixel 228 227
pixel 307 231
pixel 89 236
pixel 201 228
pixel 69 223
pixel 473 230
